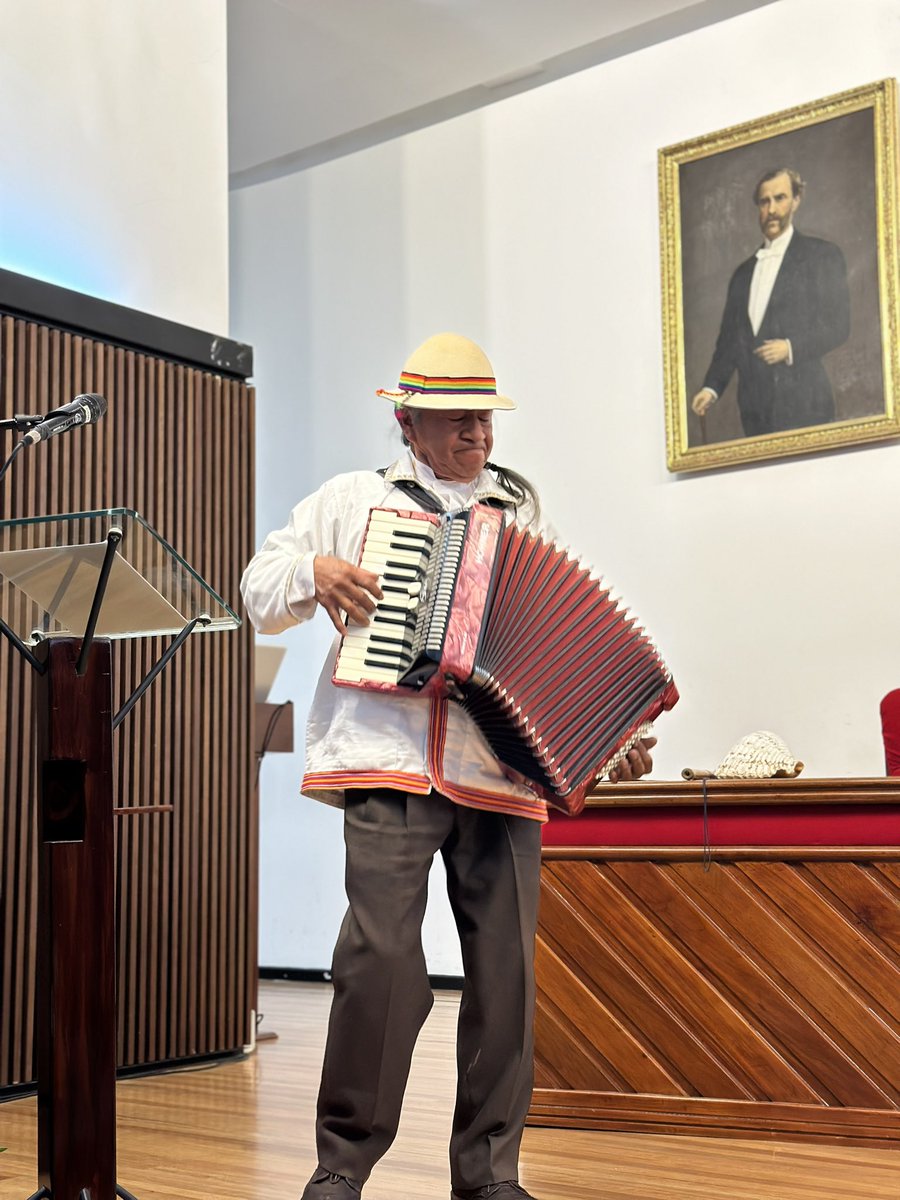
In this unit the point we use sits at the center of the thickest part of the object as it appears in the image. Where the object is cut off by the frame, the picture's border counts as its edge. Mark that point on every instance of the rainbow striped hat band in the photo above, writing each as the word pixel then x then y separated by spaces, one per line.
pixel 447 371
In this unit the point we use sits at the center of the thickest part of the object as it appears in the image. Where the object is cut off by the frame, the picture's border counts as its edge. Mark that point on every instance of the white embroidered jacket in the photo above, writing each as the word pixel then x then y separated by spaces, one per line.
pixel 358 738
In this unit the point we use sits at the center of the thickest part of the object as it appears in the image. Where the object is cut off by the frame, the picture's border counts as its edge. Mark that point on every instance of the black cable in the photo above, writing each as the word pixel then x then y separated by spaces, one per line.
pixel 267 736
pixel 15 450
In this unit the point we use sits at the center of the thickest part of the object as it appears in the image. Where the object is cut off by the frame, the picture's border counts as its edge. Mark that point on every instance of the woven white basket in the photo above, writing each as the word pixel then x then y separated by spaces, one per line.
pixel 760 755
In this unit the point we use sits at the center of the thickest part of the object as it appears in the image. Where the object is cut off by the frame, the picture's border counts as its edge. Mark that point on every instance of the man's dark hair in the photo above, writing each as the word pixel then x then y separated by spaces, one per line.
pixel 798 185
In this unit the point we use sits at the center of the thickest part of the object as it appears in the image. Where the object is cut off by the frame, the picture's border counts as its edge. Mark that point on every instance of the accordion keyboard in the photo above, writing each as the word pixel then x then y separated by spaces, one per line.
pixel 416 562
pixel 397 550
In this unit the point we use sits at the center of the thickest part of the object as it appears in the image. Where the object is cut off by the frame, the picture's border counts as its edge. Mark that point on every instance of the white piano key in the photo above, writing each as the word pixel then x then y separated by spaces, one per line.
pixel 391 537
pixel 353 674
pixel 379 517
pixel 405 557
pixel 390 635
pixel 361 659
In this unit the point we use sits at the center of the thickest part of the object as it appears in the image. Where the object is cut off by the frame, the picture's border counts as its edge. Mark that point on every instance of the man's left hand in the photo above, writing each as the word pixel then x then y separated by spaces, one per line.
pixel 637 762
pixel 776 351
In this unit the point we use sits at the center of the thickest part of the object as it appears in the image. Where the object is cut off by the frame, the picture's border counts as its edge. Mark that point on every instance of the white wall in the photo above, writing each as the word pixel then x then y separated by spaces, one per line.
pixel 532 226
pixel 115 156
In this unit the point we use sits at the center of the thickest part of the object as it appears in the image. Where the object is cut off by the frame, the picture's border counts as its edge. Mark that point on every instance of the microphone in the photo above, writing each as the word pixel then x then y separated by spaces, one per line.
pixel 83 410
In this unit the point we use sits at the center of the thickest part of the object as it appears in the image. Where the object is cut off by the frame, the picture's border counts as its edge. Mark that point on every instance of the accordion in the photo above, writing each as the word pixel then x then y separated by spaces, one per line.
pixel 559 678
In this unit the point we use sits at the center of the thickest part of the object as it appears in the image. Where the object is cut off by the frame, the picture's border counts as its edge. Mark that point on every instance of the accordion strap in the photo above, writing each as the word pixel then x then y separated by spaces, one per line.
pixel 425 498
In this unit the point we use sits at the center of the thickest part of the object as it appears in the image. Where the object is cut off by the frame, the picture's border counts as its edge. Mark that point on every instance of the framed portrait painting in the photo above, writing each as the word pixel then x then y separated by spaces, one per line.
pixel 779 271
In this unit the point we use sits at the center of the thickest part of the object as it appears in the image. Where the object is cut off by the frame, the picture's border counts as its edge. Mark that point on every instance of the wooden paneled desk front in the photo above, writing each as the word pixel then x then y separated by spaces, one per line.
pixel 726 964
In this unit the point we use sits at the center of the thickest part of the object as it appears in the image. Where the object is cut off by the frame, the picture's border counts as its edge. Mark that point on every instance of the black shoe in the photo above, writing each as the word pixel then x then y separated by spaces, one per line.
pixel 510 1189
pixel 325 1185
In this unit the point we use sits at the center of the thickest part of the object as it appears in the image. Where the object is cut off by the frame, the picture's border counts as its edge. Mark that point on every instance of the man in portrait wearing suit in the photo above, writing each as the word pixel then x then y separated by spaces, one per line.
pixel 787 306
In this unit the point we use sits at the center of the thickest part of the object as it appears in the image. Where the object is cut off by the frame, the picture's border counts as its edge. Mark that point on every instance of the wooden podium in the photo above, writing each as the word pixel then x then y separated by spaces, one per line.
pixel 75 583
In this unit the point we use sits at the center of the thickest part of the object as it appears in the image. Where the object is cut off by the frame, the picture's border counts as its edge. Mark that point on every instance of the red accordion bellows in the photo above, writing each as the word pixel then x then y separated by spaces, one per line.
pixel 558 677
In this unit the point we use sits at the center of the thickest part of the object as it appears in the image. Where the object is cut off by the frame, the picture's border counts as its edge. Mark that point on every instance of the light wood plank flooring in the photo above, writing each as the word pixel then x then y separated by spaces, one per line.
pixel 244 1131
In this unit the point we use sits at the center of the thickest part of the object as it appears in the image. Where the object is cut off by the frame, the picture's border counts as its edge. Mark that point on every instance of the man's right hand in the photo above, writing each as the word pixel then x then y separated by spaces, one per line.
pixel 342 587
pixel 704 399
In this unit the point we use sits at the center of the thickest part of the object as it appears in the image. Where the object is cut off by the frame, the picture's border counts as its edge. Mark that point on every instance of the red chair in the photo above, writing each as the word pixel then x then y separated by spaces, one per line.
pixel 890 731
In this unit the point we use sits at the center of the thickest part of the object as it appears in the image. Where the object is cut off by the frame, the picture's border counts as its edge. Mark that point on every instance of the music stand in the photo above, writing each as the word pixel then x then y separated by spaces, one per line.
pixel 69 586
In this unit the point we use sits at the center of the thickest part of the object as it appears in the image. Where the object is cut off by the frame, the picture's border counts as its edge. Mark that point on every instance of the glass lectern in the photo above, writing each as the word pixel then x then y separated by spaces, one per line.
pixel 69 585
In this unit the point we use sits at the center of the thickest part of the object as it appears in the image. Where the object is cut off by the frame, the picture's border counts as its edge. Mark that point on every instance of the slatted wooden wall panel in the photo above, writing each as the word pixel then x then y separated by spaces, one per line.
pixel 177 445
pixel 759 997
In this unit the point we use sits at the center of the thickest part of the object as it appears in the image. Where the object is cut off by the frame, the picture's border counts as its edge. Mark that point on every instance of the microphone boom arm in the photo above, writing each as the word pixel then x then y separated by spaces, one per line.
pixel 21 423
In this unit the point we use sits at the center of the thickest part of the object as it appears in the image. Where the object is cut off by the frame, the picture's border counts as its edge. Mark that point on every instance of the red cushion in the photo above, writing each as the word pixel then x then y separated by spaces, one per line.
pixel 729 825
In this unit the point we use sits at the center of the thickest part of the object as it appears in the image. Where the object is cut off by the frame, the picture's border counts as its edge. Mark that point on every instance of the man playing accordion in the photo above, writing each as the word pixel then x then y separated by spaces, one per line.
pixel 415 777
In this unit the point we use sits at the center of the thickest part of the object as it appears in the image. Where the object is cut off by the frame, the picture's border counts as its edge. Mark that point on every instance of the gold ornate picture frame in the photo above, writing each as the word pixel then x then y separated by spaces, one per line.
pixel 812 362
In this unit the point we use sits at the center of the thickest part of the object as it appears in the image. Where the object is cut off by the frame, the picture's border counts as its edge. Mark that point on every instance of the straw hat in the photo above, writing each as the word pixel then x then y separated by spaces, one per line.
pixel 447 371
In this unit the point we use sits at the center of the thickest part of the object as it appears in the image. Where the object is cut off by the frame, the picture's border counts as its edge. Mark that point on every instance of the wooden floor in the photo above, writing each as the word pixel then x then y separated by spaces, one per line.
pixel 244 1131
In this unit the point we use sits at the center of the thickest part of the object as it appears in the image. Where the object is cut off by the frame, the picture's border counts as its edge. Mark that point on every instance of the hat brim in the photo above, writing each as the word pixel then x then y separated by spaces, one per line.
pixel 447 400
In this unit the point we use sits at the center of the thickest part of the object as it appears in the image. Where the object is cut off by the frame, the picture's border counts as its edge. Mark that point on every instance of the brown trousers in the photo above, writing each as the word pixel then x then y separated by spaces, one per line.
pixel 381 990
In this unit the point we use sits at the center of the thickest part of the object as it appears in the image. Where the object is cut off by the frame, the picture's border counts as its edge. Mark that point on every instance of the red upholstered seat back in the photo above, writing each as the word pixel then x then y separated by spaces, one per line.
pixel 890 731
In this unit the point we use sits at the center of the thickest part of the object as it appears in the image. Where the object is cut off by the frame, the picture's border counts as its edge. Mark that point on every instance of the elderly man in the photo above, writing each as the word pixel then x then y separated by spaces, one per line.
pixel 416 777
pixel 787 306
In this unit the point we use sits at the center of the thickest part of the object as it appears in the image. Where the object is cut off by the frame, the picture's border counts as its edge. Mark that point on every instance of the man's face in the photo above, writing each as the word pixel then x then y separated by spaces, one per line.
pixel 455 443
pixel 777 204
